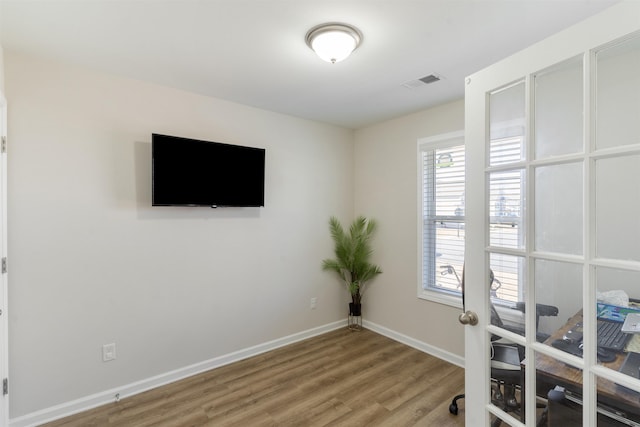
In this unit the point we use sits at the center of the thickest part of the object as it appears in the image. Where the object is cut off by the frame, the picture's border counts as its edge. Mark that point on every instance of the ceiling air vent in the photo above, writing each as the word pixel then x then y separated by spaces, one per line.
pixel 414 84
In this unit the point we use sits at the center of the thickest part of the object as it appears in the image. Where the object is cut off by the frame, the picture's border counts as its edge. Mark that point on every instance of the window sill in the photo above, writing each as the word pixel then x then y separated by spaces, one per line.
pixel 441 298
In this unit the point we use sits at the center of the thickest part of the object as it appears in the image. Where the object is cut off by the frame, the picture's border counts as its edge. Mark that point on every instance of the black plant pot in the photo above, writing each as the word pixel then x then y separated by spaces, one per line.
pixel 355 309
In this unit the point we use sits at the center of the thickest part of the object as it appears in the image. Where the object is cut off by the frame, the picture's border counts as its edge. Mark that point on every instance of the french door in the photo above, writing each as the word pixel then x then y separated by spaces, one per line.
pixel 552 139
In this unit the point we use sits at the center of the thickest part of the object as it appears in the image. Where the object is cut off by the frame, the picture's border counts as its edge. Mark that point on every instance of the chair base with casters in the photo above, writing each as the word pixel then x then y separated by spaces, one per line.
pixel 497 398
pixel 453 408
pixel 506 375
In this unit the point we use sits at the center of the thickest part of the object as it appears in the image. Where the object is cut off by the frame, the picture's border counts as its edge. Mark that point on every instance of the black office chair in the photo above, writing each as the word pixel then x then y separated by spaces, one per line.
pixel 506 375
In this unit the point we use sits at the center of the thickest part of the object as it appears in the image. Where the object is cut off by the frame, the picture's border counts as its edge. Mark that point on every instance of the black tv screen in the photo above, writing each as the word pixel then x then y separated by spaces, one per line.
pixel 190 172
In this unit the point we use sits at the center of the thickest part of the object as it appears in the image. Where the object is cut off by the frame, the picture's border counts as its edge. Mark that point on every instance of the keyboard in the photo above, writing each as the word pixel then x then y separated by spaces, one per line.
pixel 610 335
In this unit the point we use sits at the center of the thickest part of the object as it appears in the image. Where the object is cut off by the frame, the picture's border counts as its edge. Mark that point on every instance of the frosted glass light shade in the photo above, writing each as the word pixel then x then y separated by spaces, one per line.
pixel 333 42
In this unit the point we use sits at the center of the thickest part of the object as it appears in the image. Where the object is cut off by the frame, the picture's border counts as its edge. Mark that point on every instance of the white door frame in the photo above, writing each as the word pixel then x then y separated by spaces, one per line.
pixel 613 23
pixel 4 327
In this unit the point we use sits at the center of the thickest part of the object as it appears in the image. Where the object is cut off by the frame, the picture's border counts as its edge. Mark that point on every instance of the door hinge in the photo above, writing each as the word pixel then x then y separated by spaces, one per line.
pixel 5 387
pixel 4 144
pixel 4 265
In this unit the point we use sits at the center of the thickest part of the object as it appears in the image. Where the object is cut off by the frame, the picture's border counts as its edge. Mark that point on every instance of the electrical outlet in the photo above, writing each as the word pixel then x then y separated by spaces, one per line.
pixel 314 303
pixel 108 352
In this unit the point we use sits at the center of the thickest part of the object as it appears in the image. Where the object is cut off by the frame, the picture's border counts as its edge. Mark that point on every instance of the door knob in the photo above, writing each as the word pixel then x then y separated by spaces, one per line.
pixel 468 318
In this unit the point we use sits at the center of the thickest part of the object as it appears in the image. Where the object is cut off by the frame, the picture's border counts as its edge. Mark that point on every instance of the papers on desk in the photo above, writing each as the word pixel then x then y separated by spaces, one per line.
pixel 631 323
pixel 633 345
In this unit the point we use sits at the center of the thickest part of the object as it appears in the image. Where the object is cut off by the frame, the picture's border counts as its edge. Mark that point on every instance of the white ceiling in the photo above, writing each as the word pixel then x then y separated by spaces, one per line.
pixel 253 51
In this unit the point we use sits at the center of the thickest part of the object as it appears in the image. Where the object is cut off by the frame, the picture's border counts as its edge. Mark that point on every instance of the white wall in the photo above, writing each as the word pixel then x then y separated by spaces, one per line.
pixel 1 64
pixel 1 68
pixel 386 188
pixel 93 263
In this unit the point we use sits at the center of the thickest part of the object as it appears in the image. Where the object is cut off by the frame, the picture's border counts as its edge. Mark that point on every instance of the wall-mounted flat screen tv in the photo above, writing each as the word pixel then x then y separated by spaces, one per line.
pixel 190 172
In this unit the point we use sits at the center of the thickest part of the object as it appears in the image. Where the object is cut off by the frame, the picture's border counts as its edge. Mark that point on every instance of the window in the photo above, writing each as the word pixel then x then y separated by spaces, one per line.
pixel 441 217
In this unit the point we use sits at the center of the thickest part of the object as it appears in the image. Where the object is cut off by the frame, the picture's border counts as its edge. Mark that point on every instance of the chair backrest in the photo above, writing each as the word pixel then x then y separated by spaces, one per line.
pixel 495 317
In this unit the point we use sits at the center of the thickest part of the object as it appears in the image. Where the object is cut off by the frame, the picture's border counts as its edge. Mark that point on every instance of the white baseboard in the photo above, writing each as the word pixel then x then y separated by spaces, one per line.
pixel 412 342
pixel 109 396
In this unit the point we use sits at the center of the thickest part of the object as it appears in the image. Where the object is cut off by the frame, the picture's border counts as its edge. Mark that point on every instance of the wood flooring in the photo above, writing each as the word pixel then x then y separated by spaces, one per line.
pixel 342 378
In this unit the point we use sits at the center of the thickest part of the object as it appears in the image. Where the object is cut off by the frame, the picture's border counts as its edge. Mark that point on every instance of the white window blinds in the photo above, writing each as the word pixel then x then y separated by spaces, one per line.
pixel 443 171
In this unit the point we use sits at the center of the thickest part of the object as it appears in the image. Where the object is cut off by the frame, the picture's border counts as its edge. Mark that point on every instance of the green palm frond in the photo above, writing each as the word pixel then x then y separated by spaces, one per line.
pixel 352 252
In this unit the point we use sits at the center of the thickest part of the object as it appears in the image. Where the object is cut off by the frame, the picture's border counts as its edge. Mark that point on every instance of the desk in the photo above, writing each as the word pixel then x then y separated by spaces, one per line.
pixel 551 372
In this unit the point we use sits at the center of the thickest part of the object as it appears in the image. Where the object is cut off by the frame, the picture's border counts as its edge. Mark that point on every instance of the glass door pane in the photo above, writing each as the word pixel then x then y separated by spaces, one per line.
pixel 558 290
pixel 558 208
pixel 564 405
pixel 507 347
pixel 617 404
pixel 618 95
pixel 617 291
pixel 506 209
pixel 507 125
pixel 559 110
pixel 617 193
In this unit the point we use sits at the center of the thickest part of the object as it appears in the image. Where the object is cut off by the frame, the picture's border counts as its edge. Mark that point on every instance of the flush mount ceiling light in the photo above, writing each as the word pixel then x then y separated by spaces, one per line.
pixel 333 41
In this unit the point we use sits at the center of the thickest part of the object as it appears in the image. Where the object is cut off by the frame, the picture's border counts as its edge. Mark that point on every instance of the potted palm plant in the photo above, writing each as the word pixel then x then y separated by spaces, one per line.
pixel 352 252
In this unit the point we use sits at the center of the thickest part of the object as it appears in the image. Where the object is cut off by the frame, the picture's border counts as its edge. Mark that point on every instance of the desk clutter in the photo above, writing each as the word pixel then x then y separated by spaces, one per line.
pixel 618 349
pixel 618 331
pixel 617 405
pixel 631 323
pixel 631 365
pixel 604 355
pixel 633 345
